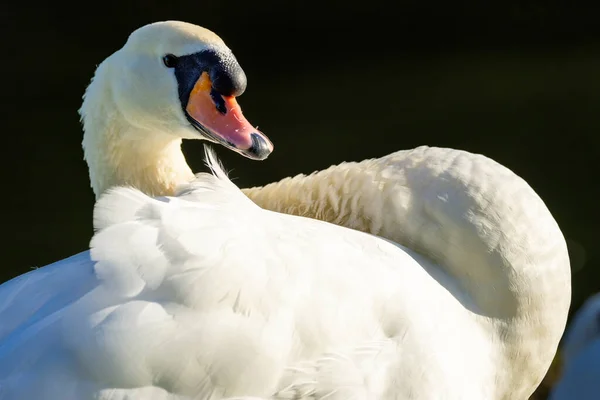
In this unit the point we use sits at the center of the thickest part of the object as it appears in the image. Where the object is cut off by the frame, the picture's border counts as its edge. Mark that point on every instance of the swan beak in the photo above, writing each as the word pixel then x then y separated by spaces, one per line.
pixel 219 118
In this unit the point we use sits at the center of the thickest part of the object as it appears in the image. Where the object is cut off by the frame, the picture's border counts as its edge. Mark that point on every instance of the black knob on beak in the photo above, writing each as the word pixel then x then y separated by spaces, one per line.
pixel 226 75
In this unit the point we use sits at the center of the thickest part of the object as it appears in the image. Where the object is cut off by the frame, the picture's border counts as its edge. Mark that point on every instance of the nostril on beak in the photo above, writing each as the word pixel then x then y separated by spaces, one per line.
pixel 260 148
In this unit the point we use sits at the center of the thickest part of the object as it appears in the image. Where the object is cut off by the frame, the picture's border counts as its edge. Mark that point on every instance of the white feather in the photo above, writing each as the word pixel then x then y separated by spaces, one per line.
pixel 209 293
pixel 207 296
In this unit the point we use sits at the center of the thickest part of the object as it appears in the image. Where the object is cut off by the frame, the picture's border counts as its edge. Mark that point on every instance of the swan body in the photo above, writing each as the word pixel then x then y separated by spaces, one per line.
pixel 581 355
pixel 425 274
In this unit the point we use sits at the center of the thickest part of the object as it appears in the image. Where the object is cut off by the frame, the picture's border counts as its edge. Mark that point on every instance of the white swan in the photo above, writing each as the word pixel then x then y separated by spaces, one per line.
pixel 207 296
pixel 581 355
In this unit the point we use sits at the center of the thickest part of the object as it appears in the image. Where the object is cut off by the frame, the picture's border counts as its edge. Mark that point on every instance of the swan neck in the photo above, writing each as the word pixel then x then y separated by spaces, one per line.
pixel 119 153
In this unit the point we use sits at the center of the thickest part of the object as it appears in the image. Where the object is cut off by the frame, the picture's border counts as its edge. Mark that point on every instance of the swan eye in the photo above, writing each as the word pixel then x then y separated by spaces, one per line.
pixel 170 61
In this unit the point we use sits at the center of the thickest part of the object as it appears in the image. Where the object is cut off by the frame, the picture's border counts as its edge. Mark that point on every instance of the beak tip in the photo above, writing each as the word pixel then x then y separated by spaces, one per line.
pixel 261 147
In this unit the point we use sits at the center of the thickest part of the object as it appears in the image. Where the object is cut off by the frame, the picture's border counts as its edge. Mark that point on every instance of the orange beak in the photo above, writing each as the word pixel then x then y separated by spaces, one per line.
pixel 220 119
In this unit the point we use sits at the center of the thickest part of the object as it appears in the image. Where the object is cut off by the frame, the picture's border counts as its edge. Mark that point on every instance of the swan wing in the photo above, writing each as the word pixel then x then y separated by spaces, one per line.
pixel 43 291
pixel 203 295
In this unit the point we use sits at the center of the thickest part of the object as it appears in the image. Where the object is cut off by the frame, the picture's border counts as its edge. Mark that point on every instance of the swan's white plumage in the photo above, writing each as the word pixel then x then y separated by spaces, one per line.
pixel 207 296
pixel 212 294
pixel 204 299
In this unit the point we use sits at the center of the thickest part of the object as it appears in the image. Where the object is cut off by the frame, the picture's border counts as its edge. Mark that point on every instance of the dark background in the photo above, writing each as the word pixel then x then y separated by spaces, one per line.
pixel 328 81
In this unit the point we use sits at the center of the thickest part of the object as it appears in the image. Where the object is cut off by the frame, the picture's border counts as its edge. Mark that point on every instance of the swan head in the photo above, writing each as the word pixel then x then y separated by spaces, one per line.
pixel 179 80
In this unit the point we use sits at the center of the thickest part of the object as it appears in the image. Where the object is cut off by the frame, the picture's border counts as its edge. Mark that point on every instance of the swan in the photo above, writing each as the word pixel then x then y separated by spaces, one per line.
pixel 429 273
pixel 581 355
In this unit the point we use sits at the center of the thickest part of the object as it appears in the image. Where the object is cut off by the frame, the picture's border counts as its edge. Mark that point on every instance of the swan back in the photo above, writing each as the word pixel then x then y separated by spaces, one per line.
pixel 494 243
pixel 206 295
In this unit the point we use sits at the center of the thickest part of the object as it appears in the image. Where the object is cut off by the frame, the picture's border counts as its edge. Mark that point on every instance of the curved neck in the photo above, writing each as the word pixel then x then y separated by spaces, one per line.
pixel 485 228
pixel 120 154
